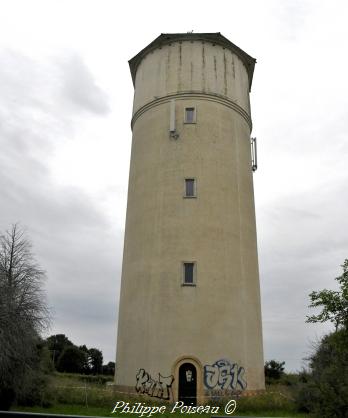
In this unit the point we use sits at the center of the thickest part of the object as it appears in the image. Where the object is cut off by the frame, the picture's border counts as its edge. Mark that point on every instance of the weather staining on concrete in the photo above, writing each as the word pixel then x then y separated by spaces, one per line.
pixel 215 69
pixel 168 70
pixel 180 67
pixel 224 375
pixel 161 388
pixel 225 74
pixel 203 67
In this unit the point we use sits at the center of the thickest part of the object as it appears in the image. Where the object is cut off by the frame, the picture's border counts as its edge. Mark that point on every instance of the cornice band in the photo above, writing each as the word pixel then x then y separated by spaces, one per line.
pixel 197 96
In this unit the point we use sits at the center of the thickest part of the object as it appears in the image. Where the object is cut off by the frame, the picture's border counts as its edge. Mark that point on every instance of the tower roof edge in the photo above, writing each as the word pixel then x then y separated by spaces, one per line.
pixel 215 38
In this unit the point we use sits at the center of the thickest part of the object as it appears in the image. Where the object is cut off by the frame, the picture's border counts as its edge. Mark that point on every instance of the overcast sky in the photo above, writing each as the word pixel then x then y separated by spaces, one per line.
pixel 65 108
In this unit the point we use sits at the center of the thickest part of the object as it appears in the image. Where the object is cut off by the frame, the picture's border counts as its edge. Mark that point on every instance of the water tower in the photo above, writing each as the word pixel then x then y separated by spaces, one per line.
pixel 190 319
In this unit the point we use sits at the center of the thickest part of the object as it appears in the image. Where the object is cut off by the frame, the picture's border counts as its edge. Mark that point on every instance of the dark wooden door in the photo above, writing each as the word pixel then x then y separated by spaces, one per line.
pixel 188 384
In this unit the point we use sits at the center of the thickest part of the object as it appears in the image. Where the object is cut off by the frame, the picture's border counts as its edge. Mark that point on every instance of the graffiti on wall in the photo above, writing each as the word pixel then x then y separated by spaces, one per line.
pixel 160 388
pixel 224 375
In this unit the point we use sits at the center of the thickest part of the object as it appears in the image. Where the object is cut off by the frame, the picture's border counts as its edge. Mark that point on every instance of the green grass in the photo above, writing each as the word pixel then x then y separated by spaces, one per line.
pixel 106 412
pixel 67 410
pixel 67 394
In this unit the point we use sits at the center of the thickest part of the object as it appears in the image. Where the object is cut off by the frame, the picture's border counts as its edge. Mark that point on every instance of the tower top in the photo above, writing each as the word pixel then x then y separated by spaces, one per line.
pixel 214 38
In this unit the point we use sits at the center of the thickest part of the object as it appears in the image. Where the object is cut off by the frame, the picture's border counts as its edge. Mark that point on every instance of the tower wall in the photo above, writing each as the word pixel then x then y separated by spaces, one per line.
pixel 160 320
pixel 191 66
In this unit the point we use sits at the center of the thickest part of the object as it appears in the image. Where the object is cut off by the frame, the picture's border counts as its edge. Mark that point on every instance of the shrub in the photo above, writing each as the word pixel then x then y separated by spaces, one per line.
pixel 274 370
pixel 323 389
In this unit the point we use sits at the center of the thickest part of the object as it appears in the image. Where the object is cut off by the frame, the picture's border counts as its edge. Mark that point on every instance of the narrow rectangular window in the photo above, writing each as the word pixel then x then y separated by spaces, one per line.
pixel 189 270
pixel 190 189
pixel 190 115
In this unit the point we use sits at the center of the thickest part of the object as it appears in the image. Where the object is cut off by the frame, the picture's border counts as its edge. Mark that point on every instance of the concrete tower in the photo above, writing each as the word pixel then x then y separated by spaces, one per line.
pixel 190 319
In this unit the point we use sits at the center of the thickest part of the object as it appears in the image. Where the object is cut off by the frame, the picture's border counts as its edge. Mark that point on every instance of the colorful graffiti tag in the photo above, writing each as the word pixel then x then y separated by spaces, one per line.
pixel 161 388
pixel 224 375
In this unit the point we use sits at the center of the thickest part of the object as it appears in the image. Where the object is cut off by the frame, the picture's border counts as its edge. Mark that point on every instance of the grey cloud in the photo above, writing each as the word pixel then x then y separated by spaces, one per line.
pixel 302 242
pixel 101 335
pixel 80 251
pixel 41 97
pixel 31 118
pixel 73 239
pixel 80 88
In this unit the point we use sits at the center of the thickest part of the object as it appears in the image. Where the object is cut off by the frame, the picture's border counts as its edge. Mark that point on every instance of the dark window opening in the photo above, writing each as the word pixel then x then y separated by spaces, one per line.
pixel 190 188
pixel 190 115
pixel 188 273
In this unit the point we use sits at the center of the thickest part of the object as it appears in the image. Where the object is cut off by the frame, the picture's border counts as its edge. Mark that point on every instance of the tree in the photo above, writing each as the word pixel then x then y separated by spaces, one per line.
pixel 95 360
pixel 324 390
pixel 72 360
pixel 109 368
pixel 56 344
pixel 334 303
pixel 78 360
pixel 274 369
pixel 86 368
pixel 23 315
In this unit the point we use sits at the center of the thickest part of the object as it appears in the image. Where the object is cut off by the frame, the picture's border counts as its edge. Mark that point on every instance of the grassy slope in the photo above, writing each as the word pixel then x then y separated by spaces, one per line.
pixel 67 395
pixel 106 412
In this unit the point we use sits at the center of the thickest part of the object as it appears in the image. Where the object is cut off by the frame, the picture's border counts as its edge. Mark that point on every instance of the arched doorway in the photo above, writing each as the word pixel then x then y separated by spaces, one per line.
pixel 187 391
